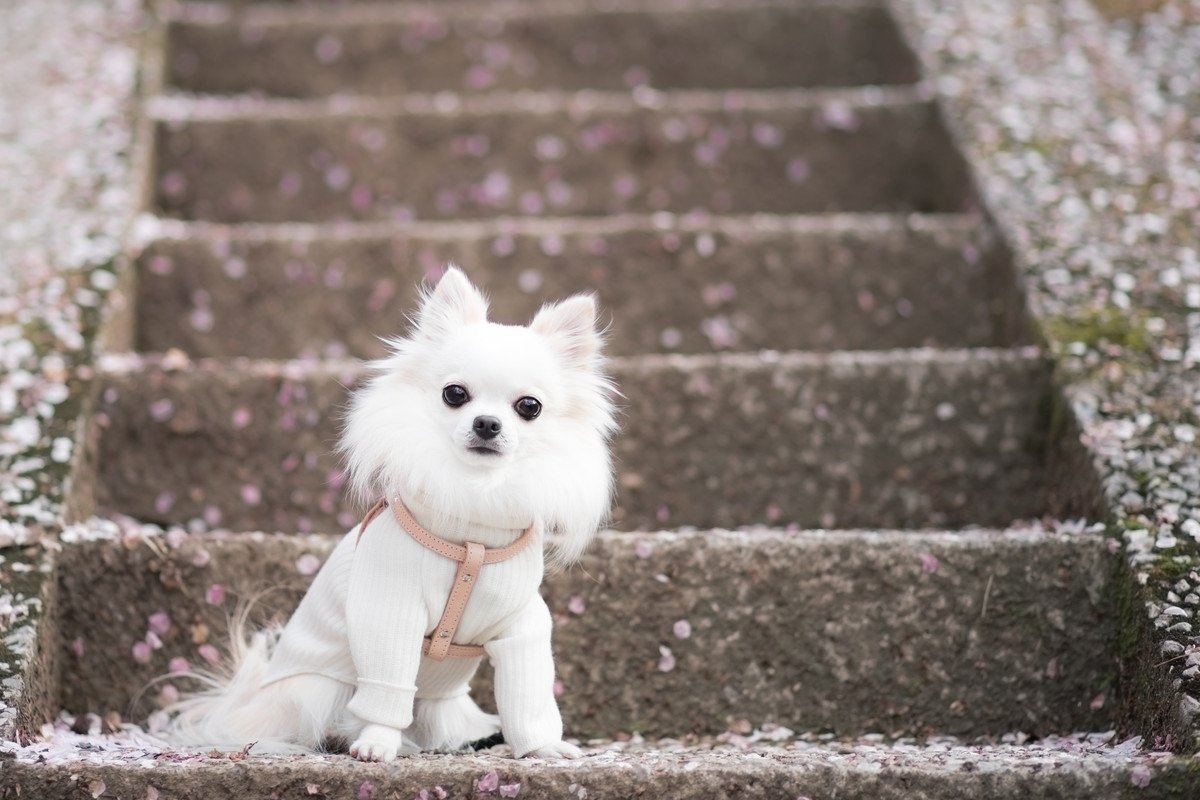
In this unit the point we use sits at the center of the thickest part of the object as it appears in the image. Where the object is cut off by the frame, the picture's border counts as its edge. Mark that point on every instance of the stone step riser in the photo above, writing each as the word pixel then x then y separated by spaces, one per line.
pixel 904 439
pixel 882 284
pixel 681 776
pixel 391 53
pixel 831 156
pixel 902 633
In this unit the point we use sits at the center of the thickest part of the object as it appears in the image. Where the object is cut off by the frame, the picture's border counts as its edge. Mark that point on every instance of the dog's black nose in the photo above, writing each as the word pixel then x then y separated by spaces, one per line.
pixel 486 427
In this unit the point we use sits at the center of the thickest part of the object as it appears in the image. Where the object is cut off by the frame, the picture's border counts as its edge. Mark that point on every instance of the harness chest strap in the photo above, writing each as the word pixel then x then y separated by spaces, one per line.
pixel 471 556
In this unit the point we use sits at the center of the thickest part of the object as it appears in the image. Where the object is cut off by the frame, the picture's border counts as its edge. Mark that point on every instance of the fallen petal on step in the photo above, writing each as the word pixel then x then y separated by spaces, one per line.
pixel 141 652
pixel 666 661
pixel 488 782
pixel 159 622
pixel 308 564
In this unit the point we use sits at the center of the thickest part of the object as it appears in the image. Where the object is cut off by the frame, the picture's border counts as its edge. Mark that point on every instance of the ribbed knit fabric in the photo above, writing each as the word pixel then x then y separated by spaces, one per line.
pixel 525 681
pixel 363 620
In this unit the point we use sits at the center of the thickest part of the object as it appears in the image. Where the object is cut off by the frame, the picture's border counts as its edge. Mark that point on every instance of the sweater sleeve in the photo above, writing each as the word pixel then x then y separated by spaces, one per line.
pixel 386 621
pixel 524 665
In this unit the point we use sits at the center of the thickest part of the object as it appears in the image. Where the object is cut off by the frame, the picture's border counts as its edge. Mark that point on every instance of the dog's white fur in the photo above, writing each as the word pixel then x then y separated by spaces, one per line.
pixel 296 689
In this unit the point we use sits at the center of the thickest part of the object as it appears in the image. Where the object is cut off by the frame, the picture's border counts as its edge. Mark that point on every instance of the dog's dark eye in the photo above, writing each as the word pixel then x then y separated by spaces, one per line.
pixel 455 395
pixel 527 407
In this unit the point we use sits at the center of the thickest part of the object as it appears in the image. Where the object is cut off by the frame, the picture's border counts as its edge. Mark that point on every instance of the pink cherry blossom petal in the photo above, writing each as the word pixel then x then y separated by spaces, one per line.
pixel 161 410
pixel 163 502
pixel 159 622
pixel 251 494
pixel 488 782
pixel 215 595
pixel 142 652
pixel 308 564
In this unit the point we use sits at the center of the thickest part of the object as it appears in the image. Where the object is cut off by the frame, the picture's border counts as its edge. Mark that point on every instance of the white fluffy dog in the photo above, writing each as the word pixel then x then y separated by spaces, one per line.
pixel 475 433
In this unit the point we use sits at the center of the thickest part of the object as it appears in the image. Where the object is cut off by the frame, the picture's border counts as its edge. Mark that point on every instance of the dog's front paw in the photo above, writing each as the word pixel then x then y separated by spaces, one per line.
pixel 376 743
pixel 557 751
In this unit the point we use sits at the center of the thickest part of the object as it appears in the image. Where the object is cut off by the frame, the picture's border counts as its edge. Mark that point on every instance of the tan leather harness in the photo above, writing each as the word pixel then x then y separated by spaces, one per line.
pixel 471 556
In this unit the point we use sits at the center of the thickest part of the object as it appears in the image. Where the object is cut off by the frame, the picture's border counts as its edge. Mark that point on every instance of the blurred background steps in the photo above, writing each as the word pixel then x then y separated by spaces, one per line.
pixel 816 327
pixel 904 438
pixel 285 161
pixel 690 284
pixel 393 48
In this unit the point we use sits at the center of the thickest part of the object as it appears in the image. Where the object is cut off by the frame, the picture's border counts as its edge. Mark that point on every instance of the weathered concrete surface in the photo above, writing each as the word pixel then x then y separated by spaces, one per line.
pixel 822 774
pixel 788 283
pixel 393 49
pixel 898 439
pixel 29 650
pixel 544 155
pixel 904 633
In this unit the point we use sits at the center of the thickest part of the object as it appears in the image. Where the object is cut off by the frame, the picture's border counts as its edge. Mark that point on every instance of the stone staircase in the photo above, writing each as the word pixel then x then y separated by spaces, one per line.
pixel 842 457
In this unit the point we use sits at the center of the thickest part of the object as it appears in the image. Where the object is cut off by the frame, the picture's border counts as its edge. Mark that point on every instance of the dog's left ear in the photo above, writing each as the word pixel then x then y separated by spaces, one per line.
pixel 571 328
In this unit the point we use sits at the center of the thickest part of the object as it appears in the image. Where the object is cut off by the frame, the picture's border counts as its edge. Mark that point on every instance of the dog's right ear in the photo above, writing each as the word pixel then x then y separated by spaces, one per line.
pixel 571 328
pixel 454 302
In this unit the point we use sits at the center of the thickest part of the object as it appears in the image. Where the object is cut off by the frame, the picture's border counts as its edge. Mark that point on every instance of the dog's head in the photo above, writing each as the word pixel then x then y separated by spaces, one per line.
pixel 498 424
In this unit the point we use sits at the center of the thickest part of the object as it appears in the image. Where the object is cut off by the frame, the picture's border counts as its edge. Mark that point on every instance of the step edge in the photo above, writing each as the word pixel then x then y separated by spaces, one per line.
pixel 179 107
pixel 152 229
pixel 940 759
pixel 132 363
pixel 100 530
pixel 279 15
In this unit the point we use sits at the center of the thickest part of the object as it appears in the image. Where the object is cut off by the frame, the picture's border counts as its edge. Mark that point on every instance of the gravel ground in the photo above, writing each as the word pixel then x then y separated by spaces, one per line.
pixel 66 200
pixel 1094 174
pixel 66 101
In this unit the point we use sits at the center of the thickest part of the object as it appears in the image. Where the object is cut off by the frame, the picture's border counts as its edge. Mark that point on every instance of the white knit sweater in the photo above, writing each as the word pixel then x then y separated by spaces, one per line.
pixel 363 621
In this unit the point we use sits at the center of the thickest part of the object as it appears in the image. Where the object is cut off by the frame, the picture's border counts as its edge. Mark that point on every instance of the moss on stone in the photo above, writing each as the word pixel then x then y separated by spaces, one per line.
pixel 1147 701
pixel 1097 327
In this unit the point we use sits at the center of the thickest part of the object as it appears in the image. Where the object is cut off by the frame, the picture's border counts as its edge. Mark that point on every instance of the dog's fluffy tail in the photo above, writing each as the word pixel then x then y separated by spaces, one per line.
pixel 235 710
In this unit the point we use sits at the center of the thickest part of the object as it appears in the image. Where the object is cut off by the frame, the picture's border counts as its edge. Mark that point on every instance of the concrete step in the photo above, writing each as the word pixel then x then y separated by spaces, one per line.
pixel 473 47
pixel 672 284
pixel 895 439
pixel 1060 769
pixel 971 633
pixel 553 154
